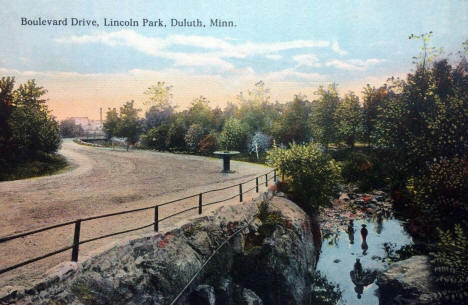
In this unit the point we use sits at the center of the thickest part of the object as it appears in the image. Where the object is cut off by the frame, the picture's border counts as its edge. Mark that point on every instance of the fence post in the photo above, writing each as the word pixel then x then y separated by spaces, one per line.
pixel 200 203
pixel 240 192
pixel 76 241
pixel 266 180
pixel 156 218
pixel 274 175
pixel 256 184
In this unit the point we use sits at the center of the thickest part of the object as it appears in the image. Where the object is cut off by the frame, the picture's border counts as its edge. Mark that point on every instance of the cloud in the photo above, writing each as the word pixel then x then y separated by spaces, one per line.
pixel 307 60
pixel 353 64
pixel 336 48
pixel 215 52
pixel 293 75
pixel 274 56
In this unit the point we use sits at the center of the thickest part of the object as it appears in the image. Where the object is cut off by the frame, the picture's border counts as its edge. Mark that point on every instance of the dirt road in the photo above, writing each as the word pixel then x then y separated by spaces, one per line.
pixel 103 181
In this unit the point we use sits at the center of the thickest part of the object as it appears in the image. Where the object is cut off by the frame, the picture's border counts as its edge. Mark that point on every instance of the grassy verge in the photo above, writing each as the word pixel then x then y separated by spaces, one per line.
pixel 40 165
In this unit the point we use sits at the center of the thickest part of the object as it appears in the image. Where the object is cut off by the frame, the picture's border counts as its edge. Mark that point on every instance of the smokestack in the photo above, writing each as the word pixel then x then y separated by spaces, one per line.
pixel 100 114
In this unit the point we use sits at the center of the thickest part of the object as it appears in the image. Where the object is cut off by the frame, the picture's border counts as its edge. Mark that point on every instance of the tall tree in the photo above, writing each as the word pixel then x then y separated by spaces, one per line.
pixel 323 125
pixel 130 125
pixel 111 123
pixel 161 107
pixel 349 118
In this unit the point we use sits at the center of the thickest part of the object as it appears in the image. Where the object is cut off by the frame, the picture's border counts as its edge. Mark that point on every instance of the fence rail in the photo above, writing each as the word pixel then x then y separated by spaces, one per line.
pixel 75 246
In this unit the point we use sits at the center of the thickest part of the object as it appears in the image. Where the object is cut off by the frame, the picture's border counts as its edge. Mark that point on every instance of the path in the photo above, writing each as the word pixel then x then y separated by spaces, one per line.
pixel 104 181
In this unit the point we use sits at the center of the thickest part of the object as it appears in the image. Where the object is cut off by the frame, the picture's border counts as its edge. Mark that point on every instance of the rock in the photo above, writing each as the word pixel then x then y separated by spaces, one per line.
pixel 203 295
pixel 336 261
pixel 406 282
pixel 274 260
pixel 250 298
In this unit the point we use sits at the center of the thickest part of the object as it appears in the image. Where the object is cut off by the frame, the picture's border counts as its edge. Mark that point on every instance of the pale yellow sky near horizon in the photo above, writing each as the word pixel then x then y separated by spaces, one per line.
pixel 82 96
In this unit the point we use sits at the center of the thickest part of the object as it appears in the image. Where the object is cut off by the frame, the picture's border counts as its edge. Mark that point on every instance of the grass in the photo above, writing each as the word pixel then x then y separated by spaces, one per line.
pixel 40 165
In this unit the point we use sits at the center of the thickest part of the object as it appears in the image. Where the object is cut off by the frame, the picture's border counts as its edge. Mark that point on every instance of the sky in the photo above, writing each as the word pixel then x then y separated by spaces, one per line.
pixel 293 46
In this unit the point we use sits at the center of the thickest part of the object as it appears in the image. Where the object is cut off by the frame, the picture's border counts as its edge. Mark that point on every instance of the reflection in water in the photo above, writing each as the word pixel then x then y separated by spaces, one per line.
pixel 361 277
pixel 364 245
pixel 379 224
pixel 350 231
pixel 338 253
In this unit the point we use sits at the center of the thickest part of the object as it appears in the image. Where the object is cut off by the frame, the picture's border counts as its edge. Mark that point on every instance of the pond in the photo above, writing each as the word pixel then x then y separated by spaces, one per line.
pixel 339 252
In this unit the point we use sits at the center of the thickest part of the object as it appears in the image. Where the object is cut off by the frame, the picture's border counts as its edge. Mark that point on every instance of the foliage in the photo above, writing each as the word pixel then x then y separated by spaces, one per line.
pixel 311 174
pixel 207 144
pixel 200 113
pixel 7 147
pixel 159 96
pixel 349 120
pixel 259 144
pixel 362 169
pixel 42 164
pixel 69 129
pixel 254 110
pixel 323 124
pixel 193 136
pixel 450 267
pixel 175 139
pixel 233 136
pixel 292 125
pixel 324 292
pixel 157 116
pixel 130 125
pixel 111 123
pixel 156 137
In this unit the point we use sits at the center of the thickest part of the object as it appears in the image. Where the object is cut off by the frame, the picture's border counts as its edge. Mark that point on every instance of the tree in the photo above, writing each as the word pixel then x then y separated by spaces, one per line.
pixel 160 102
pixel 7 147
pixel 200 113
pixel 311 174
pixel 176 134
pixel 292 125
pixel 69 129
pixel 373 99
pixel 193 136
pixel 255 111
pixel 111 123
pixel 233 136
pixel 156 137
pixel 130 125
pixel 259 144
pixel 323 124
pixel 349 119
pixel 33 129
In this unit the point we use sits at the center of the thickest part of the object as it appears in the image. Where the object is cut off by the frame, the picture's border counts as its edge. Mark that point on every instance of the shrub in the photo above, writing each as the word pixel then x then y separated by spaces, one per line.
pixel 233 136
pixel 193 136
pixel 207 144
pixel 259 143
pixel 450 267
pixel 311 174
pixel 363 170
pixel 155 138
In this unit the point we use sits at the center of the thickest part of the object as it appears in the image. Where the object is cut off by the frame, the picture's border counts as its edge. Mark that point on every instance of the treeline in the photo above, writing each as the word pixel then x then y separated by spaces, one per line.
pixel 29 135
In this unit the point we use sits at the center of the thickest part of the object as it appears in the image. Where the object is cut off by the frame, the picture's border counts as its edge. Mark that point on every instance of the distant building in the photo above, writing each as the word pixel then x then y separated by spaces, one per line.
pixel 89 126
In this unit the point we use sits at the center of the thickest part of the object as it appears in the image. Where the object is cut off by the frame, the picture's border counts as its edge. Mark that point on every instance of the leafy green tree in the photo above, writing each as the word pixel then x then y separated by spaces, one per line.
pixel 7 147
pixel 156 137
pixel 33 129
pixel 233 136
pixel 176 134
pixel 349 119
pixel 254 110
pixel 292 125
pixel 111 123
pixel 200 113
pixel 323 124
pixel 130 125
pixel 311 174
pixel 69 129
pixel 373 99
pixel 160 102
pixel 193 136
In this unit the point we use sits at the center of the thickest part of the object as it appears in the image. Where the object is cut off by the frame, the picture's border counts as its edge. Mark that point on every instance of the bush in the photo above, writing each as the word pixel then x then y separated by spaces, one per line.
pixel 193 136
pixel 311 174
pixel 155 138
pixel 259 144
pixel 233 136
pixel 207 144
pixel 450 267
pixel 363 170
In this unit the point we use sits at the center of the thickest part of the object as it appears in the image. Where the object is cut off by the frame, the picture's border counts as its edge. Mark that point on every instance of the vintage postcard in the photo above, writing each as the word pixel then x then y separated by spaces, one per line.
pixel 233 152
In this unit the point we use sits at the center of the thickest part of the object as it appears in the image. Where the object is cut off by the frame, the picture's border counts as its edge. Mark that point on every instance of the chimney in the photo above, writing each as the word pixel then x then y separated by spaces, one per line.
pixel 100 115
